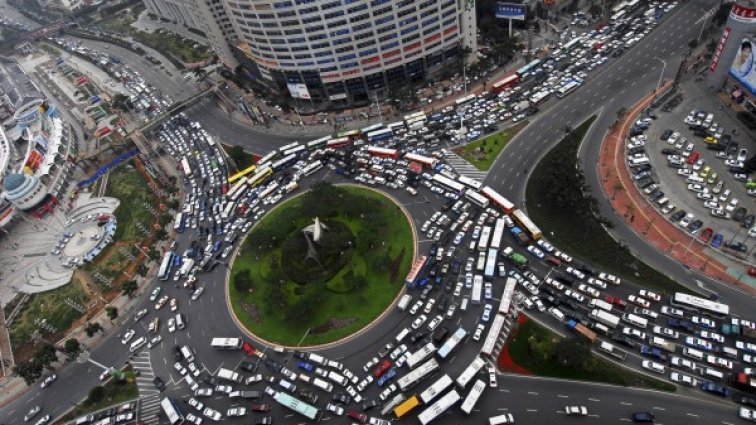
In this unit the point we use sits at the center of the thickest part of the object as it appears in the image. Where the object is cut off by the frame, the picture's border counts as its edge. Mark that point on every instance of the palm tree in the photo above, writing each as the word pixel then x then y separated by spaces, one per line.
pixel 618 187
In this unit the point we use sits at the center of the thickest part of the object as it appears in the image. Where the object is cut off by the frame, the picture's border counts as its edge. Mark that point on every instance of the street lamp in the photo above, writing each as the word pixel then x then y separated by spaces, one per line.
pixel 661 75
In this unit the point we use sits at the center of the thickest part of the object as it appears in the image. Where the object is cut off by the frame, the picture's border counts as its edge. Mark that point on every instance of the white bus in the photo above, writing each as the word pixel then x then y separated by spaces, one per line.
pixel 477 289
pixel 417 375
pixel 420 355
pixel 172 411
pixel 448 183
pixel 312 168
pixel 268 190
pixel 503 203
pixel 490 269
pixel 451 343
pixel 465 99
pixel 164 272
pixel 467 181
pixel 236 187
pixel 318 143
pixel 506 297
pixel 616 17
pixel 619 7
pixel 267 159
pixel 290 146
pixel 186 267
pixel 469 373
pixel 178 223
pixel 489 344
pixel 485 236
pixel 416 117
pixel 540 97
pixel 260 176
pixel 602 316
pixel 567 89
pixel 239 191
pixel 476 198
pixel 226 343
pixel 296 150
pixel 185 167
pixel 228 211
pixel 699 305
pixel 429 162
pixel 438 408
pixel 498 233
pixel 436 388
pixel 472 397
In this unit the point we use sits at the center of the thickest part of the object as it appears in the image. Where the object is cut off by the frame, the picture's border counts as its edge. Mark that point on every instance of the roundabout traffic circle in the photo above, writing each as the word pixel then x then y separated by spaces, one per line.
pixel 321 266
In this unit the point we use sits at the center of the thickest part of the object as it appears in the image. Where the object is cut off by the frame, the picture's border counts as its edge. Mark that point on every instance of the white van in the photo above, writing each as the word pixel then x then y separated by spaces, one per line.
pixel 712 373
pixel 694 179
pixel 316 359
pixel 323 385
pixel 404 302
pixel 186 352
pixel 402 334
pixel 137 344
pixel 730 352
pixel 335 377
pixel 638 321
pixel 634 162
pixel 180 321
pixel 465 302
pixel 693 353
pixel 600 327
pixel 229 375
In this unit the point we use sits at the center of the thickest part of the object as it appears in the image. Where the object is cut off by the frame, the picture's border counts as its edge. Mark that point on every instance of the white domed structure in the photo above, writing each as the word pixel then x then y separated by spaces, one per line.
pixel 24 191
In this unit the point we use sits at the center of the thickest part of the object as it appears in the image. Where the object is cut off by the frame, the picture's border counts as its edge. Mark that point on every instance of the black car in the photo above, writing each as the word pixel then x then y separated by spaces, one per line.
pixel 621 339
pixel 308 396
pixel 159 384
pixel 177 356
pixel 211 380
pixel 732 148
pixel 645 182
pixel 418 335
pixel 370 404
pixel 670 151
pixel 301 355
pixel 739 214
pixel 737 246
pixel 717 147
pixel 248 366
pixel 748 221
pixel 440 334
pixel 744 400
pixel 641 168
pixel 665 136
pixel 342 398
pixel 678 215
pixel 655 195
pixel 694 226
pixel 643 417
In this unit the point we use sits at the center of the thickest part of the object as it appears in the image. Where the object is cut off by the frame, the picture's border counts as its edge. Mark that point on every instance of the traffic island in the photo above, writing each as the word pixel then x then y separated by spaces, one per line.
pixel 321 266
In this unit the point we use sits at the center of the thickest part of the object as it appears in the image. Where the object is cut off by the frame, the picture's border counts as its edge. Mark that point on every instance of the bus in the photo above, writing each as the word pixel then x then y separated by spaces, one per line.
pixel 476 198
pixel 241 174
pixel 290 146
pixel 472 397
pixel 371 128
pixel 505 83
pixel 540 97
pixel 417 375
pixel 236 188
pixel 467 181
pixel 528 69
pixel 567 89
pixel 490 269
pixel 296 150
pixel 631 5
pixel 312 168
pixel 448 183
pixel 268 190
pixel 477 289
pixel 436 388
pixel 350 134
pixel 451 343
pixel 420 159
pixel 382 152
pixel 298 406
pixel 465 99
pixel 498 233
pixel 420 355
pixel 270 156
pixel 259 176
pixel 415 117
pixel 506 298
pixel 172 411
pixel 619 7
pixel 339 143
pixel 469 373
pixel 503 203
pixel 529 227
pixel 485 235
pixel 616 17
pixel 699 305
pixel 407 406
pixel 186 266
pixel 390 405
pixel 185 167
pixel 284 162
pixel 575 42
pixel 489 344
pixel 226 343
pixel 438 408
pixel 178 224
pixel 380 135
pixel 318 144
pixel 165 266
pixel 228 210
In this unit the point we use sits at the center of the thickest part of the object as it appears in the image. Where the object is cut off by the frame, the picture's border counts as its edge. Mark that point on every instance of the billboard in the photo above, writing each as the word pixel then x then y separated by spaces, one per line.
pixel 298 90
pixel 743 14
pixel 742 68
pixel 720 49
pixel 510 11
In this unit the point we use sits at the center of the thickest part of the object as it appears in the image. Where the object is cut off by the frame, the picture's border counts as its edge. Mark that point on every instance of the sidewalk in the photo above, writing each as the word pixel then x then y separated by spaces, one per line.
pixel 646 221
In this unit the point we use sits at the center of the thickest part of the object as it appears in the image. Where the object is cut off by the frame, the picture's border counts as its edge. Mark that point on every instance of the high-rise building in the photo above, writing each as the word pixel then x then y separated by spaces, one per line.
pixel 344 52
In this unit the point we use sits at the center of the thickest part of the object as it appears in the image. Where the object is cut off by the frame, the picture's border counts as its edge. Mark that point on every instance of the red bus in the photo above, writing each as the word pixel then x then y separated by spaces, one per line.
pixel 505 83
pixel 386 153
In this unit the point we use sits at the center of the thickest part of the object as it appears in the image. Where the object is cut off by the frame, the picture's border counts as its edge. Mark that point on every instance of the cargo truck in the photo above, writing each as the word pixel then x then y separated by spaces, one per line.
pixel 515 258
pixel 520 235
pixel 582 330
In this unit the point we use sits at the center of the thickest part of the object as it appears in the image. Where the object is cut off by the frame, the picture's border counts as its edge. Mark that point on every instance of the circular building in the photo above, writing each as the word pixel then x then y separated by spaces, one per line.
pixel 26 192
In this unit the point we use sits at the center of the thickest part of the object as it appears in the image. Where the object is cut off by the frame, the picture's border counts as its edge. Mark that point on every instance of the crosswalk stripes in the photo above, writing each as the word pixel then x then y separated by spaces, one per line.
pixel 465 168
pixel 149 396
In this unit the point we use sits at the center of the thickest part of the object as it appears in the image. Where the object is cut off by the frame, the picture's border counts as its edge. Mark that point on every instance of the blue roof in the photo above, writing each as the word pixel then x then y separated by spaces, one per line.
pixel 13 181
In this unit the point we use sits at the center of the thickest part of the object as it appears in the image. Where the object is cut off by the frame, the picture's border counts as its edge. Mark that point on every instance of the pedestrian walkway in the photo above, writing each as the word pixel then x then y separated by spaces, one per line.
pixel 149 396
pixel 464 168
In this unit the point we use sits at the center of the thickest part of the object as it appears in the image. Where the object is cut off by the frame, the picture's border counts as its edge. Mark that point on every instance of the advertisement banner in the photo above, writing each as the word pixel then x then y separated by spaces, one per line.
pixel 298 90
pixel 510 11
pixel 743 14
pixel 742 68
pixel 720 49
pixel 338 96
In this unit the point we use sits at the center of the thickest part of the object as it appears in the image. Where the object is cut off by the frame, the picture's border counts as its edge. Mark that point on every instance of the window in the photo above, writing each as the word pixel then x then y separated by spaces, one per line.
pixel 266 16
pixel 428 3
pixel 293 31
pixel 447 4
pixel 430 21
pixel 344 49
pixel 365 44
pixel 343 31
pixel 306 10
pixel 430 30
pixel 408 21
pixel 359 18
pixel 355 9
pixel 321 45
pixel 382 10
pixel 405 12
pixel 378 2
pixel 308 63
pixel 271 24
pixel 368 52
pixel 426 13
pixel 277 41
pixel 408 30
pixel 297 40
pixel 328 69
pixel 387 37
pixel 348 65
pixel 286 14
pixel 281 4
pixel 363 36
pixel 361 27
pixel 408 39
pixel 347 57
pixel 325 61
pixel 448 13
pixel 314 37
pixel 383 20
pixel 299 48
pixel 338 23
pixel 333 15
pixel 315 28
pixel 341 41
pixel 290 23
pixel 389 46
pixel 330 5
pixel 311 19
pixel 385 29
pixel 449 21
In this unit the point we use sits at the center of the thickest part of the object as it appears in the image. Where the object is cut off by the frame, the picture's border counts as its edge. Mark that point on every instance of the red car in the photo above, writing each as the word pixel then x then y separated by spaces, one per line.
pixel 261 407
pixel 381 368
pixel 752 270
pixel 619 302
pixel 249 349
pixel 706 234
pixel 357 416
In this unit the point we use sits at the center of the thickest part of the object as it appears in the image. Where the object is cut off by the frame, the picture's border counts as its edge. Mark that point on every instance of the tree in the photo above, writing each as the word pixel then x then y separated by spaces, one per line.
pixel 96 395
pixel 29 371
pixel 621 112
pixel 595 10
pixel 121 102
pixel 129 287
pixel 242 281
pixel 240 158
pixel 92 328
pixel 161 234
pixel 112 312
pixel 45 355
pixel 153 254
pixel 571 352
pixel 618 187
pixel 72 347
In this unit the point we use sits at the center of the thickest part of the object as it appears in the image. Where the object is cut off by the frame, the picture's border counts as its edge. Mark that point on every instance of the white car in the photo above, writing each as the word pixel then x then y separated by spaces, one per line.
pixel 196 420
pixel 628 331
pixel 419 321
pixel 536 252
pixel 576 410
pixel 545 245
pixel 335 409
pixel 197 293
pixel 127 336
pixel 416 307
pixel 435 322
pixel 683 363
pixel 638 301
pixel 171 325
pixel 212 414
pixel 372 362
pixel 174 304
pixel 660 330
pixel 577 273
pixel 161 302
pixel 683 379
pixel 588 290
pixel 179 368
pixel 479 332
pixel 597 282
pixel 649 295
pixel 386 393
pixel 196 404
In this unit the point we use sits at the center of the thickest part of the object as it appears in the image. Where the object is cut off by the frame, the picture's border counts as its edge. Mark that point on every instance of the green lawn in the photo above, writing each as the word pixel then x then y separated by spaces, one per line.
pixel 482 153
pixel 354 296
pixel 185 49
pixel 534 348
pixel 556 204
pixel 50 306
pixel 116 393
pixel 130 187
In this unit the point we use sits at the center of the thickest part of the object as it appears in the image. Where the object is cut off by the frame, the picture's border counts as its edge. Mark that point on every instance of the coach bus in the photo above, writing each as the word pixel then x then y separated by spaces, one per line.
pixel 465 99
pixel 439 407
pixel 351 134
pixel 451 343
pixel 567 89
pixel 296 150
pixel 489 344
pixel 371 128
pixel 269 157
pixel 380 135
pixel 415 117
pixel 448 183
pixel 421 354
pixel 472 397
pixel 498 233
pixel 290 146
pixel 616 17
pixel 420 159
pixel 383 152
pixel 298 406
pixel 312 168
pixel 226 343
pixel 259 176
pixel 436 388
pixel 172 411
pixel 284 162
pixel 165 266
pixel 503 203
pixel 505 83
pixel 469 373
pixel 699 305
pixel 467 181
pixel 417 374
pixel 185 167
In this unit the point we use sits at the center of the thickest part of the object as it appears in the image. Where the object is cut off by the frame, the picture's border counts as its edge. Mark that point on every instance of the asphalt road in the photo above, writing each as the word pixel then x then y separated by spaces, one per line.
pixel 620 84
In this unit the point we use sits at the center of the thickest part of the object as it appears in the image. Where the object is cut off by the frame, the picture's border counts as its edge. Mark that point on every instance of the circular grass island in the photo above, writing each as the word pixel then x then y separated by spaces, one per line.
pixel 293 284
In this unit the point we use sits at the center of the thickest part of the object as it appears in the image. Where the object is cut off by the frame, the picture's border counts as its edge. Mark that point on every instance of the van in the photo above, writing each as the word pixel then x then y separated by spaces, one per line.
pixel 180 321
pixel 288 386
pixel 600 327
pixel 316 359
pixel 323 385
pixel 339 379
pixel 730 352
pixel 612 350
pixel 635 320
pixel 402 334
pixel 229 375
pixel 137 344
pixel 404 302
pixel 334 364
pixel 465 301
pixel 693 353
pixel 84 420
pixel 634 162
pixel 653 366
pixel 186 352
pixel 694 179
pixel 712 373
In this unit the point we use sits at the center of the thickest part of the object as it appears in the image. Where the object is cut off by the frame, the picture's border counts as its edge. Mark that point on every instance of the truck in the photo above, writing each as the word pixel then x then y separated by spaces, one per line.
pixel 515 258
pixel 654 353
pixel 662 343
pixel 229 375
pixel 520 235
pixel 732 329
pixel 521 106
pixel 582 330
pixel 606 318
pixel 612 350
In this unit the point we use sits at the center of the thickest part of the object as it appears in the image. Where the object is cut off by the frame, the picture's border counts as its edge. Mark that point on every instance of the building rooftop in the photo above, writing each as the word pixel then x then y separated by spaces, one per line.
pixel 16 85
